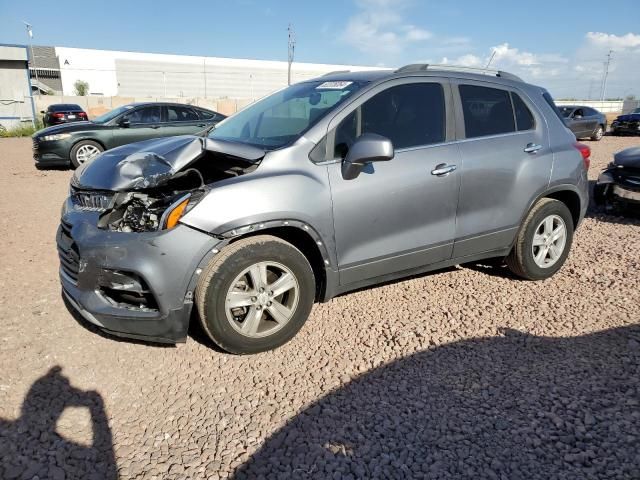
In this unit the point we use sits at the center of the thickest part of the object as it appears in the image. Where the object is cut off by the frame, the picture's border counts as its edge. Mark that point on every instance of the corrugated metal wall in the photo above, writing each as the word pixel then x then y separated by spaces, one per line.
pixel 162 79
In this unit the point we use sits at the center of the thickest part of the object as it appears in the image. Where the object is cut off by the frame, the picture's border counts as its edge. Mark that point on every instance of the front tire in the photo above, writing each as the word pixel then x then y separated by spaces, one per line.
pixel 84 151
pixel 543 242
pixel 598 134
pixel 255 295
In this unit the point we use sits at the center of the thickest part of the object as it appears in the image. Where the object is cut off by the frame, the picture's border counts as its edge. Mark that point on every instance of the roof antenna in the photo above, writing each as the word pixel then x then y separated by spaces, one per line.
pixel 490 60
pixel 291 50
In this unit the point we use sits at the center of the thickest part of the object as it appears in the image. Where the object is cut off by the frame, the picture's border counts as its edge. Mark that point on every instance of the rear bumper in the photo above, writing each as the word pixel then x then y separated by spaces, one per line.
pixel 97 267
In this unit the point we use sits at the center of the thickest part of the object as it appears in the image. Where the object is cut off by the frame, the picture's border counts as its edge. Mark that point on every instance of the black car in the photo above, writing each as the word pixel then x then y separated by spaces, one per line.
pixel 58 113
pixel 76 143
pixel 628 124
pixel 584 121
pixel 619 184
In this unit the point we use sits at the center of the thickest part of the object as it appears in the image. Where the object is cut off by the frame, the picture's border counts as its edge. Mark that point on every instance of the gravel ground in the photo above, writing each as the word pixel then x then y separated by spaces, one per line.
pixel 464 373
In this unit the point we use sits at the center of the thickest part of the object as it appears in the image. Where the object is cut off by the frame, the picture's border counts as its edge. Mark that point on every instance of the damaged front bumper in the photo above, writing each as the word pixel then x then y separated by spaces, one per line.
pixel 136 285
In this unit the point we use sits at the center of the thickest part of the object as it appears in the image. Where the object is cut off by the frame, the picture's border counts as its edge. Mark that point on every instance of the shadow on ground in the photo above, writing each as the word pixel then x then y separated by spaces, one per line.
pixel 508 407
pixel 32 447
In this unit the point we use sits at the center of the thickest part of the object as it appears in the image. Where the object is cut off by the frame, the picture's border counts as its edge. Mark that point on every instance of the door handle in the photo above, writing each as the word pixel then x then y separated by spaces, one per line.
pixel 443 169
pixel 202 124
pixel 532 147
pixel 155 126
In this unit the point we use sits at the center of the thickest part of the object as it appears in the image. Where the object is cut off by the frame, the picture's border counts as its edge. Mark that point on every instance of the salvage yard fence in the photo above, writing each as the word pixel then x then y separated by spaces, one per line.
pixel 96 105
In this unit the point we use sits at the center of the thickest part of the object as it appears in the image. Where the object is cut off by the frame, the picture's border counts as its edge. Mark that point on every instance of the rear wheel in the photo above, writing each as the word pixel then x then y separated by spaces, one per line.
pixel 543 242
pixel 255 295
pixel 598 134
pixel 84 151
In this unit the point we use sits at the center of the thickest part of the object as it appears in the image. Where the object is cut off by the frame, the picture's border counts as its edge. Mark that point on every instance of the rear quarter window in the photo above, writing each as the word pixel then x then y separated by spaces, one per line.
pixel 524 117
pixel 549 99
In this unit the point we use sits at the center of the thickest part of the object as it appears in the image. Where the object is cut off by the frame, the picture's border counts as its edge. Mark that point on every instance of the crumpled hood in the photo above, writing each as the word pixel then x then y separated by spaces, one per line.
pixel 631 117
pixel 151 163
pixel 629 157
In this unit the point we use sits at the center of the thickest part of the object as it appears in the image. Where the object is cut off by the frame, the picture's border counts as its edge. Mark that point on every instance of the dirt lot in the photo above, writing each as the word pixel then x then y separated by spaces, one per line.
pixel 466 373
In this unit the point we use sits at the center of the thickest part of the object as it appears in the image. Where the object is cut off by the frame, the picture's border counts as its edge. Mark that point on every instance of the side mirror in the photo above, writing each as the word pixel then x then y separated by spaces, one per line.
pixel 368 148
pixel 124 123
pixel 42 111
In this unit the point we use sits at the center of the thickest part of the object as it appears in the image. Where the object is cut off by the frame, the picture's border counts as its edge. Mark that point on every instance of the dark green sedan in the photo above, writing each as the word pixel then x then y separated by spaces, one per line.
pixel 78 142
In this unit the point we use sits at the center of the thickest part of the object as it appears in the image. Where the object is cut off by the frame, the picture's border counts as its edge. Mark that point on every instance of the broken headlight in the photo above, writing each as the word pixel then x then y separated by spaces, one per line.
pixel 142 212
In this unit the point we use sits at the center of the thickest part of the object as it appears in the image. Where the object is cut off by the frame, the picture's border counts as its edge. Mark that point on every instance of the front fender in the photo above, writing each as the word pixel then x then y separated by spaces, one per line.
pixel 256 201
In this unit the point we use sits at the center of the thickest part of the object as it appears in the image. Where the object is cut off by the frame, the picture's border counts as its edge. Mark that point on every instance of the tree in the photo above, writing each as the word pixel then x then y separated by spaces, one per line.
pixel 81 88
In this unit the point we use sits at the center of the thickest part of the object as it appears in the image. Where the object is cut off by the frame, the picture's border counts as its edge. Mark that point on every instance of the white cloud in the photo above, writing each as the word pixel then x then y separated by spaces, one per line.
pixel 578 75
pixel 616 42
pixel 527 64
pixel 380 27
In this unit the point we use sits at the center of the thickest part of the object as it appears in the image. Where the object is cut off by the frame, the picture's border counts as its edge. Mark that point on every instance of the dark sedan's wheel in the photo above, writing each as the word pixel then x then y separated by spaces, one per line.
pixel 255 295
pixel 543 242
pixel 598 134
pixel 84 151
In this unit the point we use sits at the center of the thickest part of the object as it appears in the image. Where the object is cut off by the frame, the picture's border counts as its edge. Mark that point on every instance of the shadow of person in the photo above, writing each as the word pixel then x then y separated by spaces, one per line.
pixel 32 447
pixel 509 407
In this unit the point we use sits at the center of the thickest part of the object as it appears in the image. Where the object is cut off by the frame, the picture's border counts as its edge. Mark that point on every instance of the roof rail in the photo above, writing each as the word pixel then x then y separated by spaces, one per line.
pixel 335 72
pixel 423 67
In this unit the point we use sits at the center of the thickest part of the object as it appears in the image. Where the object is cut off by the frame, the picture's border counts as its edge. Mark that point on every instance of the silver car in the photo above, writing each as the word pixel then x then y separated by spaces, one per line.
pixel 326 186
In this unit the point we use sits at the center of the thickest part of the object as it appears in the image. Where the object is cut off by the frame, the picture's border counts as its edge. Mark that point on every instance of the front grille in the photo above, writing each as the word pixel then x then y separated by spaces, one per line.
pixel 68 252
pixel 91 201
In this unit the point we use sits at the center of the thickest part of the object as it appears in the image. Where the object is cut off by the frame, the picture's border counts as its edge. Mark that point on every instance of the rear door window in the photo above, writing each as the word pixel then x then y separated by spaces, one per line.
pixel 409 115
pixel 181 114
pixel 487 111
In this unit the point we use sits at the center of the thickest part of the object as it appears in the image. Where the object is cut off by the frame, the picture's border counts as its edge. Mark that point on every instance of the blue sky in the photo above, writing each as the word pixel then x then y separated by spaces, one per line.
pixel 558 44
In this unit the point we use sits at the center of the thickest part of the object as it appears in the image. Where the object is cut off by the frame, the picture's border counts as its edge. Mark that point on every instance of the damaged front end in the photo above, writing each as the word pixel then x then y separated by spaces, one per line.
pixel 127 264
pixel 619 184
pixel 148 186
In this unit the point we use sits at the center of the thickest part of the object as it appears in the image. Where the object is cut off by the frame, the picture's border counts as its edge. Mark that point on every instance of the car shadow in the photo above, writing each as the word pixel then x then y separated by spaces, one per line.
pixel 514 406
pixel 32 447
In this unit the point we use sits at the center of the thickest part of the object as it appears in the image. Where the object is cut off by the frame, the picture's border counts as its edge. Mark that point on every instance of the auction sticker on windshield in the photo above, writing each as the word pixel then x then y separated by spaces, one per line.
pixel 338 85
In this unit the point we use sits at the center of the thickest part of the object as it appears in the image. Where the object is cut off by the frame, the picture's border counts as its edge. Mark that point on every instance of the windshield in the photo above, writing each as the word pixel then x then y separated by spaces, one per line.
pixel 283 117
pixel 106 117
pixel 566 111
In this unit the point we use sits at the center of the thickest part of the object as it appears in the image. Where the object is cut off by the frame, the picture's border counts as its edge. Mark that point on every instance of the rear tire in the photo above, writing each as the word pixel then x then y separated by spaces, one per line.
pixel 84 151
pixel 536 255
pixel 598 134
pixel 271 286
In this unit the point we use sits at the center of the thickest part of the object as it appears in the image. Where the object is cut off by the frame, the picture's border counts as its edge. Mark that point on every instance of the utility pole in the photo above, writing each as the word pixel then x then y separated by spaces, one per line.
pixel 606 74
pixel 33 57
pixel 291 44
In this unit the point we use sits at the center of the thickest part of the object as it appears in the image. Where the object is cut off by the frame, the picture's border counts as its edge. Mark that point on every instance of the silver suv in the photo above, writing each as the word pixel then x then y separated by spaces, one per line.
pixel 326 186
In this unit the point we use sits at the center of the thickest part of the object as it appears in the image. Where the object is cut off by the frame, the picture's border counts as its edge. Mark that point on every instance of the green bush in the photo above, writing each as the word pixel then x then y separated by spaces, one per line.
pixel 81 88
pixel 24 130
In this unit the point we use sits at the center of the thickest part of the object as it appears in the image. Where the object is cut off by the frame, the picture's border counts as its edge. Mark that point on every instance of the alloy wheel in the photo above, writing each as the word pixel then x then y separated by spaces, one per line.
pixel 549 241
pixel 86 153
pixel 262 299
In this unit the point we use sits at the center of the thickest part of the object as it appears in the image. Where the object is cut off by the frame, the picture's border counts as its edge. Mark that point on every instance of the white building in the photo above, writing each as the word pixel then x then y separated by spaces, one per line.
pixel 134 74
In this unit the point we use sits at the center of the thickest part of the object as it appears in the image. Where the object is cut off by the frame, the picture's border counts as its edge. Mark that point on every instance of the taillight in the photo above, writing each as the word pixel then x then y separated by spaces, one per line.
pixel 58 115
pixel 585 151
pixel 82 114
